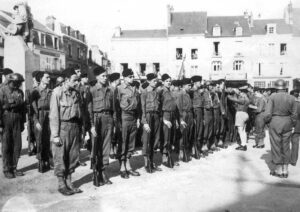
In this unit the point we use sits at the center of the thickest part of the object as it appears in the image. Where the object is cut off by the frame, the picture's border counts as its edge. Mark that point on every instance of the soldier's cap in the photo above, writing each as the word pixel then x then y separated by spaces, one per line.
pixel 99 70
pixel 68 72
pixel 196 78
pixel 7 71
pixel 20 77
pixel 145 85
pixel 136 84
pixel 186 81
pixel 151 76
pixel 127 72
pixel 164 77
pixel 176 83
pixel 114 76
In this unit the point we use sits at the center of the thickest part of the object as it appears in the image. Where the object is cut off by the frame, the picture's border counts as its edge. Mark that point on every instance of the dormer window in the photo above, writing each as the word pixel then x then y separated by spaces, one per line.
pixel 238 31
pixel 217 30
pixel 271 28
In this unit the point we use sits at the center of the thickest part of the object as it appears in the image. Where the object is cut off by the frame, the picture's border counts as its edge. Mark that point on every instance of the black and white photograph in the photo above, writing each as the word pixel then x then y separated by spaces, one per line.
pixel 149 106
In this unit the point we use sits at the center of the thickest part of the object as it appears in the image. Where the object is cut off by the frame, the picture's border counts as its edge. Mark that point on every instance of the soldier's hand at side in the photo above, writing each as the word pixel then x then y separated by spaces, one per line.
pixel 293 129
pixel 38 126
pixel 168 123
pixel 177 125
pixel 147 128
pixel 1 130
pixel 57 141
pixel 138 123
pixel 93 131
pixel 183 124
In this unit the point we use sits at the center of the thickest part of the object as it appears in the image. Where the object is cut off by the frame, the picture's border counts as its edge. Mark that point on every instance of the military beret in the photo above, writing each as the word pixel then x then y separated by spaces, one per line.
pixel 176 83
pixel 136 84
pixel 7 71
pixel 145 85
pixel 196 78
pixel 98 70
pixel 165 77
pixel 114 76
pixel 151 76
pixel 186 81
pixel 68 72
pixel 127 72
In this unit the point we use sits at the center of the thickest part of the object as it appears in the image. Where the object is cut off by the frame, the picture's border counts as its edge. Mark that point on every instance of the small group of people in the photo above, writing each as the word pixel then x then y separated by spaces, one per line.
pixel 175 119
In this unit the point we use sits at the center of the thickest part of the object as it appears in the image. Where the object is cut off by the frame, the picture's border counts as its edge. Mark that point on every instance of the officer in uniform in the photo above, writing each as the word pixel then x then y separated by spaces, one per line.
pixel 296 133
pixel 65 124
pixel 129 99
pixel 217 118
pixel 186 120
pixel 151 110
pixel 12 119
pixel 101 110
pixel 281 112
pixel 40 97
pixel 115 81
pixel 198 113
pixel 169 115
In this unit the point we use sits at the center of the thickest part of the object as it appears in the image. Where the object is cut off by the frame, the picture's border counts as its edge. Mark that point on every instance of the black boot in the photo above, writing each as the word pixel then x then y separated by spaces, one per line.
pixel 148 166
pixel 106 180
pixel 62 188
pixel 70 185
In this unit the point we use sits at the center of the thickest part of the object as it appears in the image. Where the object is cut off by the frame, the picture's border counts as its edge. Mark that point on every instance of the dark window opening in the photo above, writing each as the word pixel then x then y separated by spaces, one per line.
pixel 282 48
pixel 42 39
pixel 55 43
pixel 143 69
pixel 70 50
pixel 178 53
pixel 216 48
pixel 194 54
pixel 78 52
pixel 124 66
pixel 156 67
pixel 259 69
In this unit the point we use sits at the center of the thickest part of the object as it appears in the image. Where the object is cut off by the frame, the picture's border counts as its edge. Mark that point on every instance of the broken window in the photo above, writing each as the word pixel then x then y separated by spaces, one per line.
pixel 216 48
pixel 156 67
pixel 216 65
pixel 143 69
pixel 178 53
pixel 238 65
pixel 283 49
pixel 194 54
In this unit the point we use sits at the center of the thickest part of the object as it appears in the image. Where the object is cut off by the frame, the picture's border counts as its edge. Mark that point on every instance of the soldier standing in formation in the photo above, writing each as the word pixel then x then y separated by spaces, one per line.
pixel 65 124
pixel 12 119
pixel 296 133
pixel 40 102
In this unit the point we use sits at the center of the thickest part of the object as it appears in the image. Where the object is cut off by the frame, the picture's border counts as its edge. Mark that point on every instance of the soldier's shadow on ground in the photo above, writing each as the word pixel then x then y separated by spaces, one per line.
pixel 268 159
pixel 113 170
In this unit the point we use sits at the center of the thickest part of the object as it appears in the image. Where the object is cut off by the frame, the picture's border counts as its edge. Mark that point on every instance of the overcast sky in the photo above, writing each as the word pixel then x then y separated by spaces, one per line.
pixel 98 18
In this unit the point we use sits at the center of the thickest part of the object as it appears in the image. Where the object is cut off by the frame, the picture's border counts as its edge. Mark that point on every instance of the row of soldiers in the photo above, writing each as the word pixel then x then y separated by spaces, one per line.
pixel 186 117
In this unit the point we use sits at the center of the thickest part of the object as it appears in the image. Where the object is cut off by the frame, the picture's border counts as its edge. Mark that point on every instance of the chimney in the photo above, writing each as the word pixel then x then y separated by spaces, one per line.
pixel 170 9
pixel 50 22
pixel 118 32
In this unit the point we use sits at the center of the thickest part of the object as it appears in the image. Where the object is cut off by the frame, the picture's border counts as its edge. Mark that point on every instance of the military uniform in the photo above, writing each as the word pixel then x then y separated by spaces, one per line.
pixel 151 103
pixel 169 113
pixel 186 114
pixel 41 106
pixel 101 110
pixel 198 101
pixel 296 137
pixel 208 118
pixel 217 119
pixel 281 112
pixel 65 123
pixel 260 103
pixel 84 89
pixel 129 99
pixel 12 113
